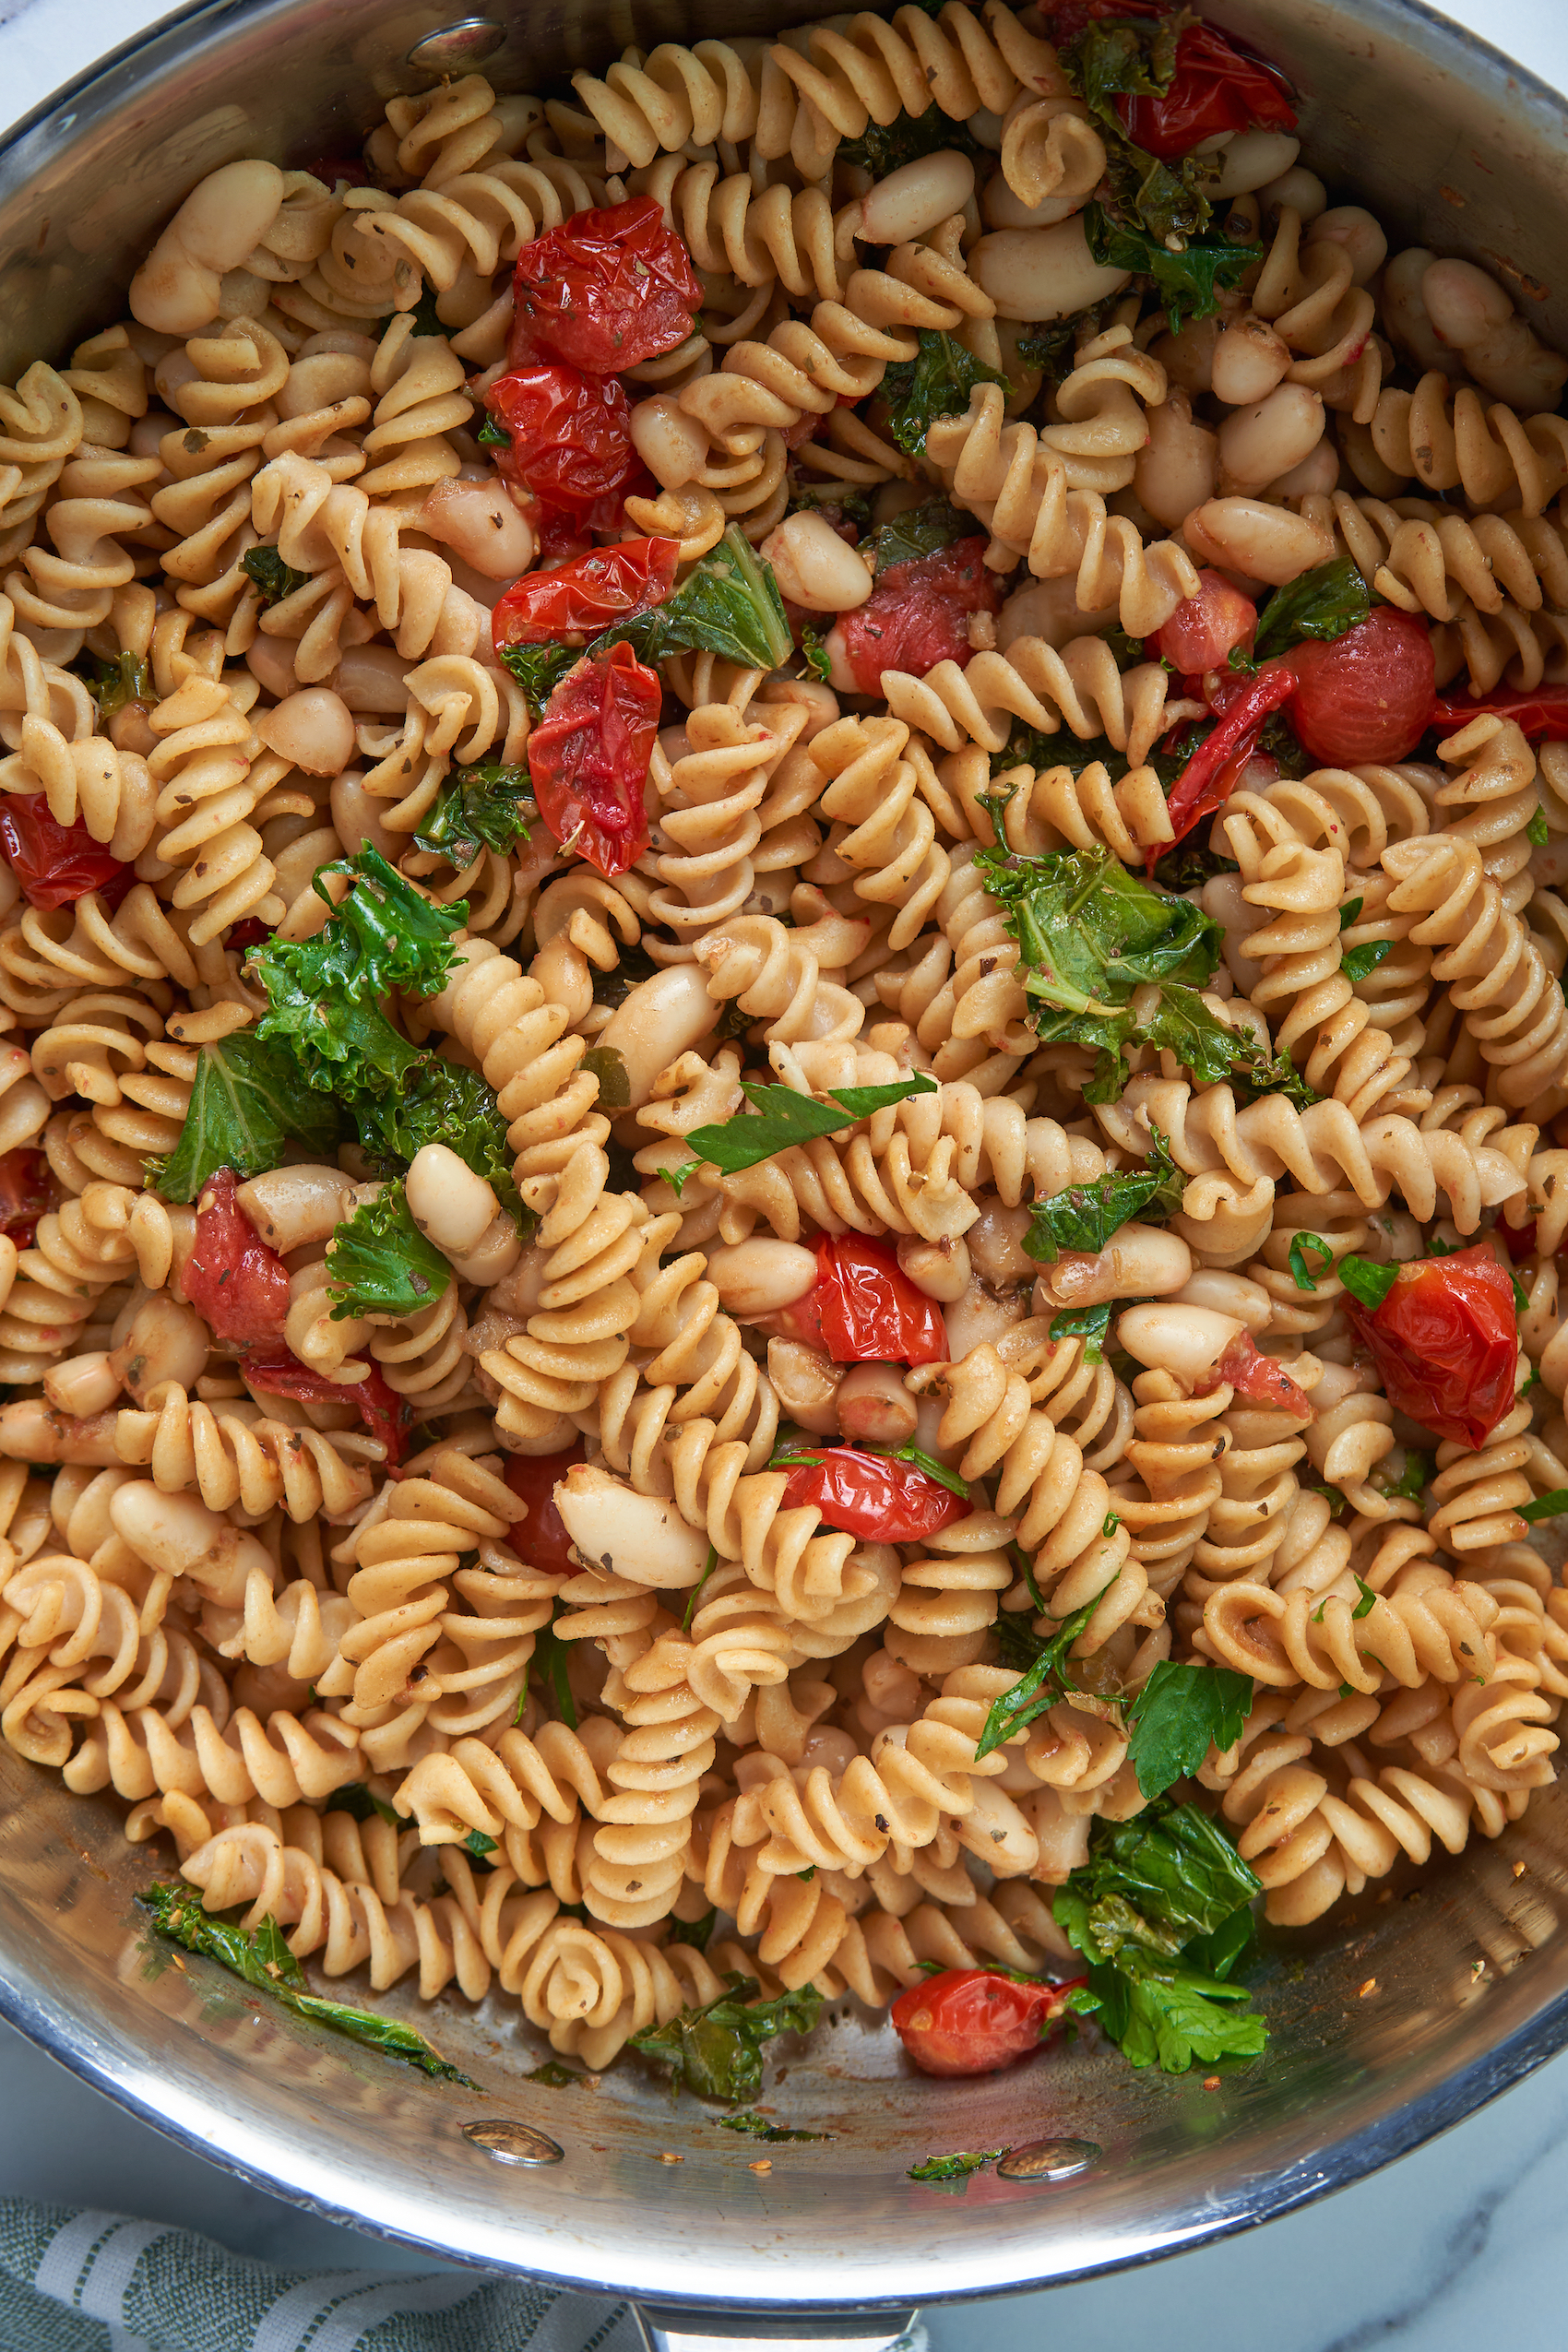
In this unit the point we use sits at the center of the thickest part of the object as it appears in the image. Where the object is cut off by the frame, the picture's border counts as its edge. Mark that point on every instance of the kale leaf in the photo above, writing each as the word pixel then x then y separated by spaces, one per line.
pixel 818 660
pixel 441 1103
pixel 1177 1714
pixel 1085 1216
pixel 883 148
pixel 727 604
pixel 936 383
pixel 716 2050
pixel 486 807
pixel 248 1100
pixel 115 683
pixel 1322 603
pixel 1183 1025
pixel 357 1801
pixel 1114 58
pixel 273 579
pixel 918 531
pixel 757 2127
pixel 378 1263
pixel 1091 1324
pixel 538 669
pixel 952 2172
pixel 1187 282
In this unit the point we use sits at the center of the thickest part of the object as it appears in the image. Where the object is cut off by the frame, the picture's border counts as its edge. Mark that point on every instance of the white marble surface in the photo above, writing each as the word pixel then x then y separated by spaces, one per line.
pixel 1467 2237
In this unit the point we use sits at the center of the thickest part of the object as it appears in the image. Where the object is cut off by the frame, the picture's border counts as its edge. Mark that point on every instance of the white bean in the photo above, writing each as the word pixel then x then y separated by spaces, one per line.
pixel 1049 610
pixel 939 1269
pixel 807 1384
pixel 1250 359
pixel 1262 541
pixel 178 288
pixel 916 197
pixel 814 566
pixel 624 1534
pixel 981 1316
pixel 270 661
pixel 1252 160
pixel 661 1018
pixel 314 729
pixel 1317 474
pixel 759 1276
pixel 997 1243
pixel 1229 1294
pixel 1178 467
pixel 320 379
pixel 873 1403
pixel 1299 189
pixel 479 522
pixel 372 679
pixel 82 1384
pixel 1187 357
pixel 1273 435
pixel 357 817
pixel 451 1205
pixel 671 444
pixel 1140 1258
pixel 162 1341
pixel 179 1535
pixel 291 1207
pixel 1039 274
pixel 1353 228
pixel 493 1255
pixel 32 1430
pixel 1187 1341
pixel 1004 209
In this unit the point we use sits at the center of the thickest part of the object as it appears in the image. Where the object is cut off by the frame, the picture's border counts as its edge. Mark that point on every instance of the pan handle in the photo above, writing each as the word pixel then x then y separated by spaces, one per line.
pixel 667 2329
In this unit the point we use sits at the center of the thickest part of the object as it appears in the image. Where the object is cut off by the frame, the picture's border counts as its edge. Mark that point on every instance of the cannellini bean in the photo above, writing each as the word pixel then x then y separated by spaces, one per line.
pixel 1468 309
pixel 1178 467
pixel 816 699
pixel 1351 226
pixel 660 1019
pixel 289 1206
pixel 314 729
pixel 270 661
pixel 980 1317
pixel 1252 160
pixel 1049 609
pixel 178 1535
pixel 1039 274
pixel 82 1385
pixel 1462 301
pixel 997 1243
pixel 451 1205
pixel 1299 189
pixel 939 1269
pixel 1271 435
pixel 814 565
pixel 624 1534
pixel 875 1403
pixel 493 1255
pixel 1187 1341
pixel 1250 359
pixel 671 444
pixel 480 523
pixel 1317 474
pixel 178 287
pixel 1229 1294
pixel 32 1430
pixel 807 1383
pixel 993 1827
pixel 1140 1258
pixel 1263 542
pixel 372 679
pixel 916 197
pixel 759 1276
pixel 162 1341
pixel 1188 357
pixel 356 818
pixel 1003 208
pixel 321 378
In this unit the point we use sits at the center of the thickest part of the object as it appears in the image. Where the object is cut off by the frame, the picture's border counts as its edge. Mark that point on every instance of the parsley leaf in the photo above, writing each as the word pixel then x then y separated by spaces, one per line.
pixel 1413 1479
pixel 248 1100
pixel 716 2050
pixel 274 579
pixel 538 669
pixel 1356 962
pixel 1322 603
pixel 1086 1216
pixel 1321 1251
pixel 1187 282
pixel 782 1117
pixel 1367 1281
pixel 1044 1681
pixel 378 1263
pixel 1176 1716
pixel 918 531
pixel 441 1103
pixel 491 435
pixel 479 808
pixel 936 383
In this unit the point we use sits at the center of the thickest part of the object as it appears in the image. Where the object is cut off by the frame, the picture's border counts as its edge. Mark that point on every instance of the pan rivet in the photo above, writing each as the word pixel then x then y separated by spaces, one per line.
pixel 511 2142
pixel 458 46
pixel 1048 2160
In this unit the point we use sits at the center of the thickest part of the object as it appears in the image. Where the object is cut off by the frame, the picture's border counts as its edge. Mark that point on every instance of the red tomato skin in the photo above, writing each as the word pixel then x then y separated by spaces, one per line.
pixel 579 599
pixel 542 1539
pixel 570 439
pixel 589 754
pixel 877 1500
pixel 1446 1343
pixel 972 2020
pixel 25 1193
pixel 1215 88
pixel 1216 768
pixel 1203 628
pixel 916 615
pixel 56 864
pixel 1541 717
pixel 1254 1374
pixel 1367 696
pixel 384 1414
pixel 869 1310
pixel 232 1278
pixel 604 291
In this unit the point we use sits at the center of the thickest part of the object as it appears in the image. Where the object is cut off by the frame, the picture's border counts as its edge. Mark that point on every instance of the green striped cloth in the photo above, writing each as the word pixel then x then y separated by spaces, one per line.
pixel 76 2281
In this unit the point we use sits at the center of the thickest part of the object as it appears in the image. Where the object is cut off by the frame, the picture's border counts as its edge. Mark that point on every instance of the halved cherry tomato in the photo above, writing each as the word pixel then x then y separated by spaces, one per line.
pixel 873 1497
pixel 244 936
pixel 588 757
pixel 580 600
pixel 970 2021
pixel 25 1191
pixel 604 291
pixel 542 1539
pixel 1519 1241
pixel 1215 768
pixel 384 1414
pixel 1205 628
pixel 231 1276
pixel 56 864
pixel 1367 696
pixel 570 439
pixel 917 615
pixel 1253 1374
pixel 1541 716
pixel 864 1309
pixel 1215 88
pixel 1446 1342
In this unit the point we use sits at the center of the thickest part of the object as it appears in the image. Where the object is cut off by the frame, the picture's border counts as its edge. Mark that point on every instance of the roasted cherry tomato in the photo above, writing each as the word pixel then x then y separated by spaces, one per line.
pixel 873 1497
pixel 56 864
pixel 1215 768
pixel 542 1539
pixel 1519 1241
pixel 570 439
pixel 604 291
pixel 1367 696
pixel 1253 1374
pixel 589 758
pixel 917 615
pixel 1215 88
pixel 970 2021
pixel 384 1414
pixel 577 601
pixel 244 936
pixel 231 1276
pixel 25 1192
pixel 1541 717
pixel 1447 1341
pixel 1205 628
pixel 864 1309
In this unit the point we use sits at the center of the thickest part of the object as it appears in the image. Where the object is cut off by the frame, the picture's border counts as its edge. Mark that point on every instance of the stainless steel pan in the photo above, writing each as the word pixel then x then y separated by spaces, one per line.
pixel 1417 2005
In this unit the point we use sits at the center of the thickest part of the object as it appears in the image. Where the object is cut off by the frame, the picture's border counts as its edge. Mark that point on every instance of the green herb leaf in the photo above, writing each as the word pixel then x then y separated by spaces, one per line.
pixel 608 1065
pixel 357 1799
pixel 1367 1602
pixel 921 1461
pixel 1187 282
pixel 443 1103
pixel 818 660
pixel 727 604
pixel 1169 1874
pixel 1349 912
pixel 936 383
pixel 491 435
pixel 1366 1281
pixel 1044 1682
pixel 263 1959
pixel 757 2127
pixel 782 1117
pixel 378 1263
pixel 477 1843
pixel 1321 1251
pixel 479 808
pixel 1086 1216
pixel 1183 1025
pixel 1179 1711
pixel 114 684
pixel 886 148
pixel 709 1566
pixel 918 532
pixel 274 579
pixel 717 2051
pixel 1356 962
pixel 1413 1479
pixel 1322 603
pixel 1165 2015
pixel 1538 830
pixel 953 2171
pixel 553 2074
pixel 538 669
pixel 550 1658
pixel 695 1932
pixel 1546 1506
pixel 248 1101
pixel 1089 1324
